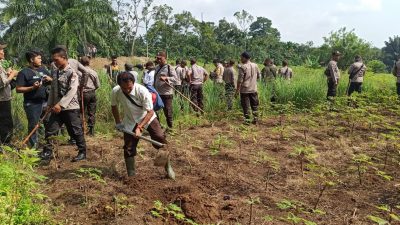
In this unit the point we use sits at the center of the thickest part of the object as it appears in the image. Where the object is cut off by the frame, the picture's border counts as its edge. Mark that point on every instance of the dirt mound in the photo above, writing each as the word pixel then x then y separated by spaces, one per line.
pixel 99 63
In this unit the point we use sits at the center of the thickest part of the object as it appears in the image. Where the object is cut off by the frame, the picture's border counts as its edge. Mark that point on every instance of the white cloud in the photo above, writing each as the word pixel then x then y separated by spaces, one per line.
pixel 360 6
pixel 373 5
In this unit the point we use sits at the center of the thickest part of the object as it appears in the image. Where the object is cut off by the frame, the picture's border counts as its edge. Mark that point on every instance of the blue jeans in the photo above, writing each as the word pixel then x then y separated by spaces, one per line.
pixel 33 112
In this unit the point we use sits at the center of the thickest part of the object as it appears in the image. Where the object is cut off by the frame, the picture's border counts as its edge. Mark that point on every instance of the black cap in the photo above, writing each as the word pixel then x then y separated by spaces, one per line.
pixel 246 55
pixel 129 66
pixel 335 53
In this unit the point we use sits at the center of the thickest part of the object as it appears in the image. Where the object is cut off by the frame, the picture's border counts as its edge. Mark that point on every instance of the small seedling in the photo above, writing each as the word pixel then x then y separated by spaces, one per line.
pixel 323 177
pixel 303 154
pixel 362 161
pixel 270 163
pixel 170 211
pixel 218 143
pixel 92 174
pixel 252 202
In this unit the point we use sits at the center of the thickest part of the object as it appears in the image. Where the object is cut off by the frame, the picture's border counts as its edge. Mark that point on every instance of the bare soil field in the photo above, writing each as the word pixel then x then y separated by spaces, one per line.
pixel 228 173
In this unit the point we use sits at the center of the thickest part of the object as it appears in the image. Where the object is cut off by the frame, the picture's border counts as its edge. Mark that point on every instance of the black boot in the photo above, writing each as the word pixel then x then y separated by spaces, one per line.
pixel 81 156
pixel 91 131
pixel 130 166
pixel 71 141
pixel 46 155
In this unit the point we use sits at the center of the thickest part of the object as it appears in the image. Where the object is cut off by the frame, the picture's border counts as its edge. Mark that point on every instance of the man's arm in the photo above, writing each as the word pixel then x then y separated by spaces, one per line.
pixel 189 75
pixel 258 72
pixel 5 79
pixel 331 72
pixel 97 83
pixel 115 113
pixel 240 80
pixel 394 70
pixel 22 89
pixel 145 120
pixel 205 75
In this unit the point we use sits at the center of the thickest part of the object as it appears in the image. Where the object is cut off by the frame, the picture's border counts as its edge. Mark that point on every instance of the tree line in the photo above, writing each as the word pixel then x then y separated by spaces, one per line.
pixel 141 28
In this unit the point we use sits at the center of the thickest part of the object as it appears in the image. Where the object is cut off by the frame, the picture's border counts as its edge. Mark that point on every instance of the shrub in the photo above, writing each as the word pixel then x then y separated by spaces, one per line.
pixel 377 66
pixel 21 201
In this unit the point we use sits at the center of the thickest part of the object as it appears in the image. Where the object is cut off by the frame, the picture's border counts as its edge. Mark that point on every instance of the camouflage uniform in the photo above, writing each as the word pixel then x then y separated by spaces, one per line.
pixel 229 79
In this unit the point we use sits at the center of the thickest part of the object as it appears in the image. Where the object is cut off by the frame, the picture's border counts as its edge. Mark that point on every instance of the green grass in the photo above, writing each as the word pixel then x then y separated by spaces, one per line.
pixel 21 201
pixel 305 91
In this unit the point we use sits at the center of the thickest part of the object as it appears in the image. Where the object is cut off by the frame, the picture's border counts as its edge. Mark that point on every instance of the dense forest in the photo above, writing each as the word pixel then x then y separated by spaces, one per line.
pixel 141 28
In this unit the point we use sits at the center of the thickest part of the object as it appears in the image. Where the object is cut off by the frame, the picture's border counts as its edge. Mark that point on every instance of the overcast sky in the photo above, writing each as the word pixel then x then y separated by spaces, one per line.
pixel 307 20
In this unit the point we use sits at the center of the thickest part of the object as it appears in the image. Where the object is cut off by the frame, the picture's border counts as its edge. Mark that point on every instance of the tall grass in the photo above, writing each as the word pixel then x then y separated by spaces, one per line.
pixel 306 90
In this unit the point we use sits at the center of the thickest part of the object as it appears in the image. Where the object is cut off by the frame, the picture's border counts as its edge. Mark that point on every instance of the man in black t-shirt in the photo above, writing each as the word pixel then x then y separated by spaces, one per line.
pixel 31 81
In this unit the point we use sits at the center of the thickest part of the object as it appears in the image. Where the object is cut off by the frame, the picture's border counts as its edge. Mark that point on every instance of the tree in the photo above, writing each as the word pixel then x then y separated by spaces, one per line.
pixel 207 40
pixel 264 40
pixel 47 23
pixel 391 51
pixel 160 34
pixel 229 36
pixel 146 16
pixel 244 19
pixel 130 20
pixel 349 44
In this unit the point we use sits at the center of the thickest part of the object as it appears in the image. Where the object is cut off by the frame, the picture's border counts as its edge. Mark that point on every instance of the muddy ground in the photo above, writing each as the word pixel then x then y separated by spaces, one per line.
pixel 225 172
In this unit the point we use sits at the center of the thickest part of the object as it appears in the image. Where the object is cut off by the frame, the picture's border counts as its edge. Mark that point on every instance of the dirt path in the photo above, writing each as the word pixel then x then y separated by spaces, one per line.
pixel 219 167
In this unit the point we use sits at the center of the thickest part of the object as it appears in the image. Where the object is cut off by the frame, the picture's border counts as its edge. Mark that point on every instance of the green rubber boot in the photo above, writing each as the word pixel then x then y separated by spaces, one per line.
pixel 169 170
pixel 130 166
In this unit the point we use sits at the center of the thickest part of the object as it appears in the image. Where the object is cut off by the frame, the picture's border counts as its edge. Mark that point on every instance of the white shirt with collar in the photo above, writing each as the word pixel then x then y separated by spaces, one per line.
pixel 132 113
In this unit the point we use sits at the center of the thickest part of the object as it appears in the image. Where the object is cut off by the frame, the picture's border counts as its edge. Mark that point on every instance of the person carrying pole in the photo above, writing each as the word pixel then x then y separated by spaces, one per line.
pixel 164 81
pixel 31 81
pixel 64 101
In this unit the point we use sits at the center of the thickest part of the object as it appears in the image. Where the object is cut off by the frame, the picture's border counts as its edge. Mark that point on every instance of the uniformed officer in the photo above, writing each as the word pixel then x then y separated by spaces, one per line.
pixel 90 82
pixel 396 73
pixel 286 72
pixel 247 87
pixel 218 72
pixel 230 85
pixel 164 80
pixel 356 75
pixel 63 98
pixel 269 72
pixel 6 121
pixel 332 73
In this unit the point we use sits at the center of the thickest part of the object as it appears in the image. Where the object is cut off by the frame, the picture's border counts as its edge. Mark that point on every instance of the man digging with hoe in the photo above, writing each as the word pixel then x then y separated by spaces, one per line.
pixel 136 102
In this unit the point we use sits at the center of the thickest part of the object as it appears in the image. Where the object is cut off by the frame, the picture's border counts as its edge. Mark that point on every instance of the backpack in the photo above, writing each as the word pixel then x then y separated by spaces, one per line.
pixel 353 74
pixel 157 101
